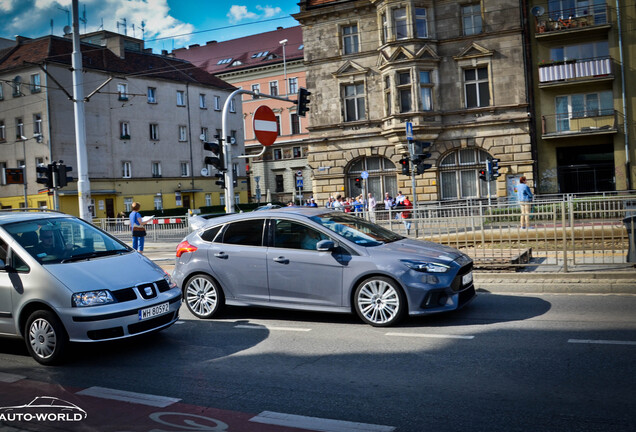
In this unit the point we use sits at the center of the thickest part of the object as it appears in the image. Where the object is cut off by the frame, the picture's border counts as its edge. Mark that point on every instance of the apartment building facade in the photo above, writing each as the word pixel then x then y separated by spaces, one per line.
pixel 270 63
pixel 455 71
pixel 144 127
pixel 582 75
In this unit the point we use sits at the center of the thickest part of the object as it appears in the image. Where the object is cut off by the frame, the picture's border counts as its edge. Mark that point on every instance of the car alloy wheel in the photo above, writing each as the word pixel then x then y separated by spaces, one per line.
pixel 203 296
pixel 379 301
pixel 45 337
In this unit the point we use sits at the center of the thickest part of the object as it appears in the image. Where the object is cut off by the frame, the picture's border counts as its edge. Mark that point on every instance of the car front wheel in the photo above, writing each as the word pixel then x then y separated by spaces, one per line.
pixel 45 337
pixel 203 296
pixel 379 301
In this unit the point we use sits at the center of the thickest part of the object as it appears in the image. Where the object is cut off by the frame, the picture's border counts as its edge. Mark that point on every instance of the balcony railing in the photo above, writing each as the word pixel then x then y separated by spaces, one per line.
pixel 567 19
pixel 579 123
pixel 575 69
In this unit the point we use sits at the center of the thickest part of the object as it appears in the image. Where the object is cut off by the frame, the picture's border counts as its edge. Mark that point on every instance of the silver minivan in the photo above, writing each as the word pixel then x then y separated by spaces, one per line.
pixel 64 280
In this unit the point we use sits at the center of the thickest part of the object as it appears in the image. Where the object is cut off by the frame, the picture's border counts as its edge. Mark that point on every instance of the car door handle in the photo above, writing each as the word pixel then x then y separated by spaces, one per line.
pixel 281 260
pixel 222 255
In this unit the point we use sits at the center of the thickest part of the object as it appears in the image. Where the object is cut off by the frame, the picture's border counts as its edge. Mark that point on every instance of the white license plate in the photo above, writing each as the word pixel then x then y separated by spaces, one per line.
pixel 467 278
pixel 154 311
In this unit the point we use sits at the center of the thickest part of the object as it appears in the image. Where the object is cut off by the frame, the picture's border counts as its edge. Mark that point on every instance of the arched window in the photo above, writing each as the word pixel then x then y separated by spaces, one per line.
pixel 459 175
pixel 382 176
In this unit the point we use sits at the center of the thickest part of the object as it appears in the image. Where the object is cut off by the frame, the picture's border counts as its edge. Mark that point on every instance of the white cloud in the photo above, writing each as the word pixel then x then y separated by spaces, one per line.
pixel 238 13
pixel 269 11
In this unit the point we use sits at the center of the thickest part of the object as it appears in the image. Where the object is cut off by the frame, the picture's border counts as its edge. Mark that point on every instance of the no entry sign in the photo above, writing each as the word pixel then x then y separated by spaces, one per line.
pixel 265 125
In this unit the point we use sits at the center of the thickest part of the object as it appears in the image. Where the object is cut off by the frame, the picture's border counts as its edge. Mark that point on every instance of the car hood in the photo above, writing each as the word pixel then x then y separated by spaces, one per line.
pixel 419 249
pixel 112 272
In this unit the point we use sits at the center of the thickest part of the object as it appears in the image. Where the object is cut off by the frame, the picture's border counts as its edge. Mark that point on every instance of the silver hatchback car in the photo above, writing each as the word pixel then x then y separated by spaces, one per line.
pixel 64 280
pixel 320 260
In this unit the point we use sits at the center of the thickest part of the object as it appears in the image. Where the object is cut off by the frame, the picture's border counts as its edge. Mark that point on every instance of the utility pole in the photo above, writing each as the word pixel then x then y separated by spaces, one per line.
pixel 83 183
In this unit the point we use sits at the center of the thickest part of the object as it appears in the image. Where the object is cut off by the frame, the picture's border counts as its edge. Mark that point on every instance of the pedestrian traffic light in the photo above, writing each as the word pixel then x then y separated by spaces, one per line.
pixel 405 166
pixel 216 147
pixel 483 175
pixel 221 179
pixel 45 175
pixel 60 171
pixel 358 182
pixel 494 169
pixel 303 101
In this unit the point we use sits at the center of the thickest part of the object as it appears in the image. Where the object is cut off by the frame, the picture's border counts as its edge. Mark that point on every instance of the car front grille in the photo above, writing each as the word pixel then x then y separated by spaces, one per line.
pixel 457 285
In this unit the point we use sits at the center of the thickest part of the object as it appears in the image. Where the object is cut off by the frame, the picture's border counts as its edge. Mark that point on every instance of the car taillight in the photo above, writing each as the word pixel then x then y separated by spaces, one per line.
pixel 185 247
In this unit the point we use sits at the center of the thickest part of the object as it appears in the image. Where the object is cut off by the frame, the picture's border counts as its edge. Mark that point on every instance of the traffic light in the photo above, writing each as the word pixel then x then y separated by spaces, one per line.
pixel 221 179
pixel 494 169
pixel 482 175
pixel 420 156
pixel 358 182
pixel 303 101
pixel 45 176
pixel 405 166
pixel 216 160
pixel 60 171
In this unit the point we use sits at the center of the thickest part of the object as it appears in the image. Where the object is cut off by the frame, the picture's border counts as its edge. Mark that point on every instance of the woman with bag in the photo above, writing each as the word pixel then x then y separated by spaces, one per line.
pixel 138 229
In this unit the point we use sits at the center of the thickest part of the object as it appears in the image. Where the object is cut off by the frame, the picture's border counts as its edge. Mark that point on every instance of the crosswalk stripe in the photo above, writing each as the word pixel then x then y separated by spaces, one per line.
pixel 10 378
pixel 429 335
pixel 317 424
pixel 126 396
pixel 601 342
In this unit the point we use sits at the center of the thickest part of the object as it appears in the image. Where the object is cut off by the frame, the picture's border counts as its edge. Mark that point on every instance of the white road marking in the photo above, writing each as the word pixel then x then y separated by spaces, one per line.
pixel 260 327
pixel 126 396
pixel 317 424
pixel 10 378
pixel 428 335
pixel 601 342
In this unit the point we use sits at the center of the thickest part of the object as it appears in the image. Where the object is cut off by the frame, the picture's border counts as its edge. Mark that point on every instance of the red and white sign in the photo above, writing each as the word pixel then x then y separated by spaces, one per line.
pixel 265 125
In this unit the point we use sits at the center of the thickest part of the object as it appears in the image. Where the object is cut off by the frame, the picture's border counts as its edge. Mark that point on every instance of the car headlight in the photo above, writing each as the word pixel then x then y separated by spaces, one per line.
pixel 92 298
pixel 168 279
pixel 427 267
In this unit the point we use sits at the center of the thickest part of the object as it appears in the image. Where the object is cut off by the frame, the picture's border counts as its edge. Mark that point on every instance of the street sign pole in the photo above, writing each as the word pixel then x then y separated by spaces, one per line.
pixel 411 144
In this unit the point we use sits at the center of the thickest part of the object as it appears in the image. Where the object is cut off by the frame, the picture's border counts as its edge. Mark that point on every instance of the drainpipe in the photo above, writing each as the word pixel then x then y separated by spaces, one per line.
pixel 625 127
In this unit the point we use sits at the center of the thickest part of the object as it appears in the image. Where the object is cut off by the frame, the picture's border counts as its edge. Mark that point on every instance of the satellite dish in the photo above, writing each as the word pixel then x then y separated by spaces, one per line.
pixel 67 30
pixel 202 137
pixel 537 11
pixel 204 172
pixel 17 79
pixel 232 140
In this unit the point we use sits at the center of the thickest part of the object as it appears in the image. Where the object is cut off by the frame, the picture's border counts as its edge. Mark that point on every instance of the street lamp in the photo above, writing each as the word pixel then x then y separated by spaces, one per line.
pixel 283 43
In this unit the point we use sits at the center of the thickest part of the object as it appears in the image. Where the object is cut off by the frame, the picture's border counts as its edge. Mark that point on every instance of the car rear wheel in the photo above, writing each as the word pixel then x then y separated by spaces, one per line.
pixel 45 337
pixel 379 301
pixel 203 296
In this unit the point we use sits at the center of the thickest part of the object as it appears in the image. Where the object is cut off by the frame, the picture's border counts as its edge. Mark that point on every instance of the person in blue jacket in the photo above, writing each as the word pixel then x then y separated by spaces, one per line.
pixel 524 195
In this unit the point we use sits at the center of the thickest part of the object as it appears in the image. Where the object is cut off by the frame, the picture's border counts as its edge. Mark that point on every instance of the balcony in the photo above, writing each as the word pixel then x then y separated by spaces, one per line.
pixel 582 18
pixel 579 124
pixel 575 70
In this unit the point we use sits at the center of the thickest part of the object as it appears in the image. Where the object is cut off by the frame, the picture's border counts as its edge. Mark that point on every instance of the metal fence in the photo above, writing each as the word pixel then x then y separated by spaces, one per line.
pixel 160 230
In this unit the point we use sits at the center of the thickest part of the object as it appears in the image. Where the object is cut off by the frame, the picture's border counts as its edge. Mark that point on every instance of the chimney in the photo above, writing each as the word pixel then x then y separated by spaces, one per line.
pixel 164 52
pixel 115 43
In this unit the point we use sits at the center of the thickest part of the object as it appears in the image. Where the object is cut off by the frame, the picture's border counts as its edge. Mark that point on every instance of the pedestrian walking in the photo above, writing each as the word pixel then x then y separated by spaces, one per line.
pixel 371 203
pixel 138 229
pixel 405 215
pixel 524 195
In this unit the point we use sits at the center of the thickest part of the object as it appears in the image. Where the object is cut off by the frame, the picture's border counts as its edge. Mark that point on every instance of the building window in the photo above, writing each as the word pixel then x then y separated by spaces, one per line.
pixel 37 125
pixel 295 123
pixel 217 103
pixel 232 106
pixel 471 19
pixel 124 130
pixel 122 91
pixel 180 98
pixel 421 25
pixel 385 27
pixel 354 102
pixel 256 88
pixel 387 94
pixel 582 105
pixel 426 91
pixel 293 85
pixel 476 87
pixel 19 128
pixel 208 200
pixel 183 133
pixel 1 91
pixel 126 169
pixel 156 169
pixel 17 86
pixel 158 202
pixel 459 175
pixel 280 183
pixel 152 95
pixel 35 83
pixel 400 26
pixel 350 39
pixel 128 202
pixel 278 123
pixel 185 169
pixel 382 176
pixel 202 104
pixel 278 154
pixel 154 132
pixel 296 151
pixel 204 134
pixel 3 132
pixel 404 91
pixel 273 88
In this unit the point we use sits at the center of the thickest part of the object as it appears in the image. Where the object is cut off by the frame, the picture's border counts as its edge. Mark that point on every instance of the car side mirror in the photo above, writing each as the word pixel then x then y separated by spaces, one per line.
pixel 325 245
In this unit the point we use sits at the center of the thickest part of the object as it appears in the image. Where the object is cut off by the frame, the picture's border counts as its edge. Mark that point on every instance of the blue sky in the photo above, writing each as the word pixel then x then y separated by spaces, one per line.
pixel 167 24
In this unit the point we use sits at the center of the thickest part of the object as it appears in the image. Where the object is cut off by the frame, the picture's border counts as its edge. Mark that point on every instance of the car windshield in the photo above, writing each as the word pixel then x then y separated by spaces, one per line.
pixel 61 240
pixel 356 229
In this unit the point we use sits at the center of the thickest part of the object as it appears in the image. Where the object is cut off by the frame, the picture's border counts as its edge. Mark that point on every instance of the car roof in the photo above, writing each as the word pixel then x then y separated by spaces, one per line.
pixel 7 217
pixel 269 213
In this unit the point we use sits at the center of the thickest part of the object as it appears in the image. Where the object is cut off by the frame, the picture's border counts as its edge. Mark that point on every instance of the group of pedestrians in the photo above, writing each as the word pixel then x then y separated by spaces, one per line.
pixel 400 202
